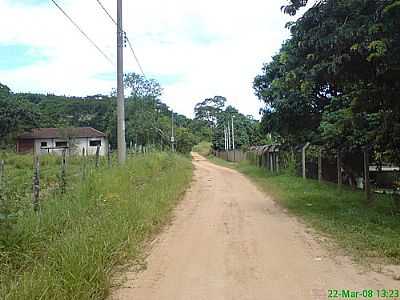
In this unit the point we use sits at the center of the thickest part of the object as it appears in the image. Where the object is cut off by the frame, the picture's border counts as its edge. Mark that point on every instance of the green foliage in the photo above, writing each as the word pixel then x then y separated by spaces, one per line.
pixel 71 249
pixel 213 117
pixel 336 81
pixel 148 120
pixel 203 148
pixel 15 117
pixel 185 140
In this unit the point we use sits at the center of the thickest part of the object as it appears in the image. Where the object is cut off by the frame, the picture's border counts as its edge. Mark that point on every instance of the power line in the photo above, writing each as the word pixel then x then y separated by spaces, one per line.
pixel 127 39
pixel 136 58
pixel 107 12
pixel 82 32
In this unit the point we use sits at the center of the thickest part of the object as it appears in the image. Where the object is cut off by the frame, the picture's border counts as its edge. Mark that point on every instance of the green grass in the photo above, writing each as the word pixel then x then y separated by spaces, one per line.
pixel 203 148
pixel 71 249
pixel 368 232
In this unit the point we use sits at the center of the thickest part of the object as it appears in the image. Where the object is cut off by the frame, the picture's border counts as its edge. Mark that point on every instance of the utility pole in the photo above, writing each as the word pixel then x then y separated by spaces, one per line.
pixel 225 139
pixel 120 87
pixel 172 132
pixel 229 136
pixel 233 136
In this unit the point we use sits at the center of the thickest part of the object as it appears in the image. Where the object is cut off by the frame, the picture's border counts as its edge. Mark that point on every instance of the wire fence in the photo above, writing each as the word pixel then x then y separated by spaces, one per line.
pixel 26 181
pixel 355 169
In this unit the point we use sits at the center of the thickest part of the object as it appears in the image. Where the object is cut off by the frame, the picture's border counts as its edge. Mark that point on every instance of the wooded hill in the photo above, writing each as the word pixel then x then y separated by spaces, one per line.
pixel 148 120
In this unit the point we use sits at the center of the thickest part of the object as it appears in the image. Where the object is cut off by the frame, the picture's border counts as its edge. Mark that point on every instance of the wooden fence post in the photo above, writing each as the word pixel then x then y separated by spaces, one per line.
pixel 36 184
pixel 367 186
pixel 63 181
pixel 97 156
pixel 1 179
pixel 320 165
pixel 277 161
pixel 109 155
pixel 303 159
pixel 83 164
pixel 1 173
pixel 339 168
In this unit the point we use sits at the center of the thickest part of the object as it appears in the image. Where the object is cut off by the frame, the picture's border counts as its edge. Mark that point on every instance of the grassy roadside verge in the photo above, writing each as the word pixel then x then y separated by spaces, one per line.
pixel 368 233
pixel 72 248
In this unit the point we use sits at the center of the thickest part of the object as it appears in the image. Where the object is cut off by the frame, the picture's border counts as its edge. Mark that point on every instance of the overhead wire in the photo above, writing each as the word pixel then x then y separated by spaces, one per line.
pixel 82 32
pixel 126 37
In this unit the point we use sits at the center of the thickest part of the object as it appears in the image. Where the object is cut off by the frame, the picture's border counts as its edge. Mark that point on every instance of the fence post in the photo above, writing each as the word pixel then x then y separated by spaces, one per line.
pixel 277 161
pixel 83 164
pixel 1 179
pixel 320 165
pixel 97 156
pixel 303 159
pixel 271 164
pixel 63 182
pixel 339 168
pixel 367 186
pixel 1 174
pixel 36 184
pixel 109 156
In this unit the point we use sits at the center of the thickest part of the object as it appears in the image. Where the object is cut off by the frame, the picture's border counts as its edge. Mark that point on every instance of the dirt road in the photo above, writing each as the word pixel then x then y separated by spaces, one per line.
pixel 228 240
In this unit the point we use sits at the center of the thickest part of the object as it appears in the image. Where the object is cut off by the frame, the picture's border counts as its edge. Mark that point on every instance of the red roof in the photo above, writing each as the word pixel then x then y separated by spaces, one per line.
pixel 55 133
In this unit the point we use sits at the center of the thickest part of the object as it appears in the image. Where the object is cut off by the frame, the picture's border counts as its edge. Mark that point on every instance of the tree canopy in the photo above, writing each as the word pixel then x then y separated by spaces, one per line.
pixel 336 81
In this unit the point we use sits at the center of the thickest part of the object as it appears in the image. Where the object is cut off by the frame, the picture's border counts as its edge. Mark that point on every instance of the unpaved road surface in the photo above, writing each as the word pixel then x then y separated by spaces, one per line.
pixel 228 240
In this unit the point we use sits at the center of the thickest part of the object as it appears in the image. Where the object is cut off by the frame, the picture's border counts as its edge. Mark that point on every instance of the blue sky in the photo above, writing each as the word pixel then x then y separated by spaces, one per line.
pixel 194 49
pixel 16 56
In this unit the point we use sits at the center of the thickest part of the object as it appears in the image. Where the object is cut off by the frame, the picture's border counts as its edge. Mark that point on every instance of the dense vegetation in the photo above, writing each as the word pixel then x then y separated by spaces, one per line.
pixel 148 120
pixel 212 116
pixel 339 74
pixel 70 250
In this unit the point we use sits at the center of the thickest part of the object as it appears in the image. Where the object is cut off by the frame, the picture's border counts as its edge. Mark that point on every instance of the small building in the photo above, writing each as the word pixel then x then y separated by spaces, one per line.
pixel 42 141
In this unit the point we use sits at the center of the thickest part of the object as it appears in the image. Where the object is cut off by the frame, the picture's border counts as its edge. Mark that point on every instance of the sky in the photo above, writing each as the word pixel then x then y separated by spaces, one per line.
pixel 195 49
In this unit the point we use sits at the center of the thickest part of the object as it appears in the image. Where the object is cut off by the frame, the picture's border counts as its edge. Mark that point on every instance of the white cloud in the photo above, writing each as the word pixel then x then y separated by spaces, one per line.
pixel 216 47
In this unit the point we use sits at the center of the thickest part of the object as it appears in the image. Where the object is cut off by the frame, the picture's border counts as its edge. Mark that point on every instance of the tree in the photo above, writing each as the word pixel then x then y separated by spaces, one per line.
pixel 338 74
pixel 5 91
pixel 209 109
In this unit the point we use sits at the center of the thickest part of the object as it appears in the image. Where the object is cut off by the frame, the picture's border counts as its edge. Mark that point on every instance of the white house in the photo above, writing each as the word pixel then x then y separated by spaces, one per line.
pixel 56 140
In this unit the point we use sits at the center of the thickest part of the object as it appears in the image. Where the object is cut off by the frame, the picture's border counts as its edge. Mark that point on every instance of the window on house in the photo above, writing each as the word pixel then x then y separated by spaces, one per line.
pixel 95 143
pixel 43 144
pixel 61 144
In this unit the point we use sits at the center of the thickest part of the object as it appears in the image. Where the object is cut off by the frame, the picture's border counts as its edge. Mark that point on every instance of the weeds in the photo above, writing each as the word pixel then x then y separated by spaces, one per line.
pixel 70 250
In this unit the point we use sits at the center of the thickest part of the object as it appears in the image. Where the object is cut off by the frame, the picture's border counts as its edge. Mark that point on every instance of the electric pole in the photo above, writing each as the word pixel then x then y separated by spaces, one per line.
pixel 229 136
pixel 233 136
pixel 225 139
pixel 120 87
pixel 172 132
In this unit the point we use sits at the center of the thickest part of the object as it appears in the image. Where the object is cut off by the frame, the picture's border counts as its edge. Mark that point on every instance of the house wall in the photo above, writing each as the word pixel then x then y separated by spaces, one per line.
pixel 25 146
pixel 76 146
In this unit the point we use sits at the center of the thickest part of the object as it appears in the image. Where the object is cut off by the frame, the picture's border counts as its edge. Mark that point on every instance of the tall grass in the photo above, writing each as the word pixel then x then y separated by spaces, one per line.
pixel 70 250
